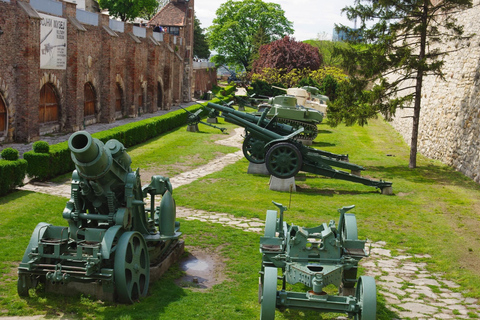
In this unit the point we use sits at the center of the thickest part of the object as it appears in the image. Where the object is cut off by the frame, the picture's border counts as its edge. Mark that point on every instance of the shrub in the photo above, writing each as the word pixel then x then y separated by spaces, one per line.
pixel 41 147
pixel 10 154
pixel 43 166
pixel 12 173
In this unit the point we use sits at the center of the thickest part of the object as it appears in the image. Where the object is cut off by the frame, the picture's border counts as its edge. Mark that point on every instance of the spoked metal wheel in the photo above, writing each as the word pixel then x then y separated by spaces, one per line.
pixel 366 295
pixel 253 149
pixel 132 267
pixel 349 232
pixel 269 294
pixel 283 160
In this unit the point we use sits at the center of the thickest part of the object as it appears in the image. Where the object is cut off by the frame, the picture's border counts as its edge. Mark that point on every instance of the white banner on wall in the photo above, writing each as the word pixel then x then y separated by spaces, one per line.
pixel 53 42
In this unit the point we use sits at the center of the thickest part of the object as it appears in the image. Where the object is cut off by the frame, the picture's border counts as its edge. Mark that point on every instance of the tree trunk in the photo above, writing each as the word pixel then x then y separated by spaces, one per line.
pixel 418 88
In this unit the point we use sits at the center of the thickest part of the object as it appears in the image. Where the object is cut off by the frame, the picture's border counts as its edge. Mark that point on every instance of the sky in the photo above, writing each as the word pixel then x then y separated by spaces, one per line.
pixel 311 19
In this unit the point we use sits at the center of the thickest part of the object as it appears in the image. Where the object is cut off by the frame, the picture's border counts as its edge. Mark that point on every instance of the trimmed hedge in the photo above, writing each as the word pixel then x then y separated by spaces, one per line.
pixel 43 166
pixel 12 174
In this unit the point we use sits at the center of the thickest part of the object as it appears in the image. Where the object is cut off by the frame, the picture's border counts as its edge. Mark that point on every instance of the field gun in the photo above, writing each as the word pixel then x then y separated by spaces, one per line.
pixel 274 144
pixel 194 119
pixel 315 257
pixel 112 236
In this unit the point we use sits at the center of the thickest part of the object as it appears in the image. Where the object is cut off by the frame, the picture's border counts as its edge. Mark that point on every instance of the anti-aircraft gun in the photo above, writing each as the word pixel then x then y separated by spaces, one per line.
pixel 267 141
pixel 112 236
pixel 315 257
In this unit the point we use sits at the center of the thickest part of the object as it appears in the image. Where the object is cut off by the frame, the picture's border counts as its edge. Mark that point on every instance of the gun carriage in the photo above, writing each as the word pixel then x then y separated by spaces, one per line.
pixel 112 236
pixel 315 257
pixel 267 141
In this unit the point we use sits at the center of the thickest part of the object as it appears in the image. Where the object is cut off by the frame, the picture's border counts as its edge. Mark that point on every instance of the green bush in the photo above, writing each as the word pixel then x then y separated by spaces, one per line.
pixel 44 166
pixel 12 174
pixel 41 147
pixel 10 154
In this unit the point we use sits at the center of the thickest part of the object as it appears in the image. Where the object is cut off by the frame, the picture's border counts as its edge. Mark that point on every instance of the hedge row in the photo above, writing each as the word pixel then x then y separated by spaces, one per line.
pixel 12 174
pixel 43 166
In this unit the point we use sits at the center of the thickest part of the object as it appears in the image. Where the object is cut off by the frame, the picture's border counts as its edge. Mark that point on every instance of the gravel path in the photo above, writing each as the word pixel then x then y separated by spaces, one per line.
pixel 409 289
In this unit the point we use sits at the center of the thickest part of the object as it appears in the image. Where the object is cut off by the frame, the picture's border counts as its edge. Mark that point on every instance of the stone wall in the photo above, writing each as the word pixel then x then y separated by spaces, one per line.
pixel 150 72
pixel 450 113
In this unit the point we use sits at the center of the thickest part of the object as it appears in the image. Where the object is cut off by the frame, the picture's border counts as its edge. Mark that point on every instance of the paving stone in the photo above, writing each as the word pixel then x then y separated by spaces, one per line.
pixel 418 308
pixel 423 282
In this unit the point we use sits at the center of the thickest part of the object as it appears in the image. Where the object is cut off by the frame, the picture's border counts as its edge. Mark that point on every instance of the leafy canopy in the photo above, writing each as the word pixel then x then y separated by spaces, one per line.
pixel 242 26
pixel 399 42
pixel 128 10
pixel 287 54
pixel 200 44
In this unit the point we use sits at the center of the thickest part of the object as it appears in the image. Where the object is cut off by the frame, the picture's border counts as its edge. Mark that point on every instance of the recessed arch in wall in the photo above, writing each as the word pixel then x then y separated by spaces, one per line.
pixel 3 115
pixel 49 105
pixel 90 99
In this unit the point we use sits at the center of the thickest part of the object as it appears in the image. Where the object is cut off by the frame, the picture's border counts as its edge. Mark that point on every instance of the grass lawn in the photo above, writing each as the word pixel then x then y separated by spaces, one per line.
pixel 434 210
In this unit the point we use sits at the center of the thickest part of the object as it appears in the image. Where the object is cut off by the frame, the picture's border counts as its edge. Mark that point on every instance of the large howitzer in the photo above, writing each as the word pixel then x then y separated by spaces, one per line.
pixel 274 144
pixel 112 237
pixel 316 257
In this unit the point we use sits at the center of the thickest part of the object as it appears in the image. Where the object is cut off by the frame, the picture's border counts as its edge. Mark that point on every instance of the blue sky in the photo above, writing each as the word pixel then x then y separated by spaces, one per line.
pixel 310 17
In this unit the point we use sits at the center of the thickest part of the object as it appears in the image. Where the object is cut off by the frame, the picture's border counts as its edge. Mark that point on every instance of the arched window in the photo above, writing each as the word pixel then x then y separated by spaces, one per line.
pixel 118 98
pixel 89 107
pixel 159 96
pixel 48 109
pixel 3 115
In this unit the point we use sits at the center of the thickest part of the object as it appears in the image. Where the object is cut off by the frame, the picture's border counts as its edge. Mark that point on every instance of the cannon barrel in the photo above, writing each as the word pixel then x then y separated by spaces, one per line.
pixel 93 159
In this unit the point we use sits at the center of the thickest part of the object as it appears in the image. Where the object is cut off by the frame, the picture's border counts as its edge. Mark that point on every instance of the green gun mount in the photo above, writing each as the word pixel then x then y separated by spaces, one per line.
pixel 315 257
pixel 112 236
pixel 194 119
pixel 274 144
pixel 285 109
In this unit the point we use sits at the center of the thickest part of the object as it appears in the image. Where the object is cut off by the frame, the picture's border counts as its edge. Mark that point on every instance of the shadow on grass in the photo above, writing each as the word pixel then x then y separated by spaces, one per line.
pixel 429 174
pixel 322 144
pixel 330 192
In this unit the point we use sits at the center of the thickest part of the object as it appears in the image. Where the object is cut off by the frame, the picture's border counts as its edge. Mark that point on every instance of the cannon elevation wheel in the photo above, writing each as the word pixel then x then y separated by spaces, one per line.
pixel 132 267
pixel 283 160
pixel 366 295
pixel 269 294
pixel 253 149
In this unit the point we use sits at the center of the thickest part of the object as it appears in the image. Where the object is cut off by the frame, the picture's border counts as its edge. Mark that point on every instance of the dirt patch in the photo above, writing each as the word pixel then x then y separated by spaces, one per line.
pixel 203 269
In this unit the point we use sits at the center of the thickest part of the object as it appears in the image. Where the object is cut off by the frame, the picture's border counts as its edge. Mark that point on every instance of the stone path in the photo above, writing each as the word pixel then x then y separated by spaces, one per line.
pixel 409 289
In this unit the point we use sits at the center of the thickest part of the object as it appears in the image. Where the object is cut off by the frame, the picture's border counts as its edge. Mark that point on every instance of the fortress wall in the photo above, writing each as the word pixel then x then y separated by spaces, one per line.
pixel 149 72
pixel 450 113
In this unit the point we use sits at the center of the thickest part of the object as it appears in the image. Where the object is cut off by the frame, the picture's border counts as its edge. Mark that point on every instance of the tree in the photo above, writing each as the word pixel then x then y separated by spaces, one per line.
pixel 128 10
pixel 233 30
pixel 287 54
pixel 200 44
pixel 403 42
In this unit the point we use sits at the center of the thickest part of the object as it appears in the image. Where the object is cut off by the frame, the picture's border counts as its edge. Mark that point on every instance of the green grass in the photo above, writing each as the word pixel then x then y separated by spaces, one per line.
pixel 434 210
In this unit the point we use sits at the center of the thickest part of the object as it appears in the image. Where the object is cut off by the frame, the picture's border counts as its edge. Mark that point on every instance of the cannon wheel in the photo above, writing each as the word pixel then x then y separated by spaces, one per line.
pixel 253 149
pixel 349 232
pixel 132 267
pixel 25 283
pixel 366 295
pixel 269 294
pixel 283 160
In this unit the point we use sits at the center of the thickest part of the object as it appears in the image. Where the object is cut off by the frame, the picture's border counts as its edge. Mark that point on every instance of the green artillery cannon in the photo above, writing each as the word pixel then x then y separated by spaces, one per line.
pixel 274 144
pixel 315 257
pixel 112 237
pixel 285 109
pixel 194 119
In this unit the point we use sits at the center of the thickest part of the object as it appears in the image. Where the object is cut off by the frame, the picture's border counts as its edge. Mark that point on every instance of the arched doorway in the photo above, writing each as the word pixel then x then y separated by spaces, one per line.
pixel 48 108
pixel 118 99
pixel 159 97
pixel 3 115
pixel 89 98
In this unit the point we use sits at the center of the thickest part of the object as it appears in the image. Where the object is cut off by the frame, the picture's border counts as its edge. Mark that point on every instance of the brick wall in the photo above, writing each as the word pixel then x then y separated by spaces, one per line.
pixel 152 74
